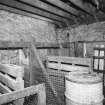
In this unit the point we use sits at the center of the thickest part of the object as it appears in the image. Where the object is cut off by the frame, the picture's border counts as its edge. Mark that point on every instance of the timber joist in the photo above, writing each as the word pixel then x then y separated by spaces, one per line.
pixel 35 11
pixel 44 6
pixel 59 12
pixel 63 6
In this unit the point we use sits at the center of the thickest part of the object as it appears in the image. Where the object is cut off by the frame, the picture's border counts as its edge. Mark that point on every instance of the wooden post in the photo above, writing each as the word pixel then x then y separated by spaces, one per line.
pixel 19 86
pixel 84 49
pixel 42 96
pixel 76 49
pixel 69 49
pixel 30 67
pixel 68 40
pixel 96 61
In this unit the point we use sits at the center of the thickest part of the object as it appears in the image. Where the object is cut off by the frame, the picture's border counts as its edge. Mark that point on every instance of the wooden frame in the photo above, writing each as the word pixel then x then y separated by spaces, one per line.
pixel 38 89
pixel 59 66
pixel 68 64
pixel 9 45
pixel 11 79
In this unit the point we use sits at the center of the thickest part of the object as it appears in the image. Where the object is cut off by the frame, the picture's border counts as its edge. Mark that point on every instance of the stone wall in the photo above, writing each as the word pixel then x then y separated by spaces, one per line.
pixel 91 32
pixel 14 27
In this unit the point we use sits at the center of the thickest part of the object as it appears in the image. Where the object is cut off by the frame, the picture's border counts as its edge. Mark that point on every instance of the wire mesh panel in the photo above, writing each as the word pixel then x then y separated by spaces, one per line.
pixel 58 81
pixel 58 67
pixel 39 77
pixel 31 100
pixel 51 100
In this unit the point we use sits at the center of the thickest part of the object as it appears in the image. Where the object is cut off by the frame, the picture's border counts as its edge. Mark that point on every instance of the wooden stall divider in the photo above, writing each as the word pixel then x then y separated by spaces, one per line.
pixel 11 79
pixel 36 89
pixel 59 66
pixel 45 74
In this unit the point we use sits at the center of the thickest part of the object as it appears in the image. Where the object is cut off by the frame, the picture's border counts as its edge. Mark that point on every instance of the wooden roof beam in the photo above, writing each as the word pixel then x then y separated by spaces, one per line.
pixel 49 8
pixel 32 10
pixel 63 6
pixel 23 13
pixel 84 6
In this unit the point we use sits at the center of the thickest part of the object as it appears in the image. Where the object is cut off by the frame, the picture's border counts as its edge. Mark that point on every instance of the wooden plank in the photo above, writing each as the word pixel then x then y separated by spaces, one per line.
pixel 13 70
pixel 39 45
pixel 100 41
pixel 66 67
pixel 64 6
pixel 47 7
pixel 84 6
pixel 23 13
pixel 14 84
pixel 8 81
pixel 10 44
pixel 4 89
pixel 21 6
pixel 42 96
pixel 72 60
pixel 18 86
pixel 5 98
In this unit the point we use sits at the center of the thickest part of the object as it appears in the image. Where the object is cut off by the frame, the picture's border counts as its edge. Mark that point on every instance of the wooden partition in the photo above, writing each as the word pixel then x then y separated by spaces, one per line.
pixel 68 63
pixel 36 89
pixel 59 66
pixel 11 79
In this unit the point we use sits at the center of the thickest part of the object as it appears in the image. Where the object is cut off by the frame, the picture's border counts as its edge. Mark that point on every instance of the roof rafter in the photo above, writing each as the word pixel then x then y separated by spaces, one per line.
pixel 63 6
pixel 32 10
pixel 44 6
pixel 23 13
pixel 87 8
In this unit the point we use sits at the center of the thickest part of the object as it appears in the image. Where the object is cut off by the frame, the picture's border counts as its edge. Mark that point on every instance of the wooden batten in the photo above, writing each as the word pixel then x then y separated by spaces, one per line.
pixel 4 89
pixel 13 70
pixel 11 79
pixel 38 89
pixel 29 9
pixel 49 8
pixel 8 81
pixel 64 6
pixel 66 67
pixel 84 6
pixel 13 45
pixel 72 60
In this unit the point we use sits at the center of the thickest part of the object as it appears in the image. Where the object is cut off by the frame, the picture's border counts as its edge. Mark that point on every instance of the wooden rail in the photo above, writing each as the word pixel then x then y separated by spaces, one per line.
pixel 37 89
pixel 39 45
pixel 68 63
